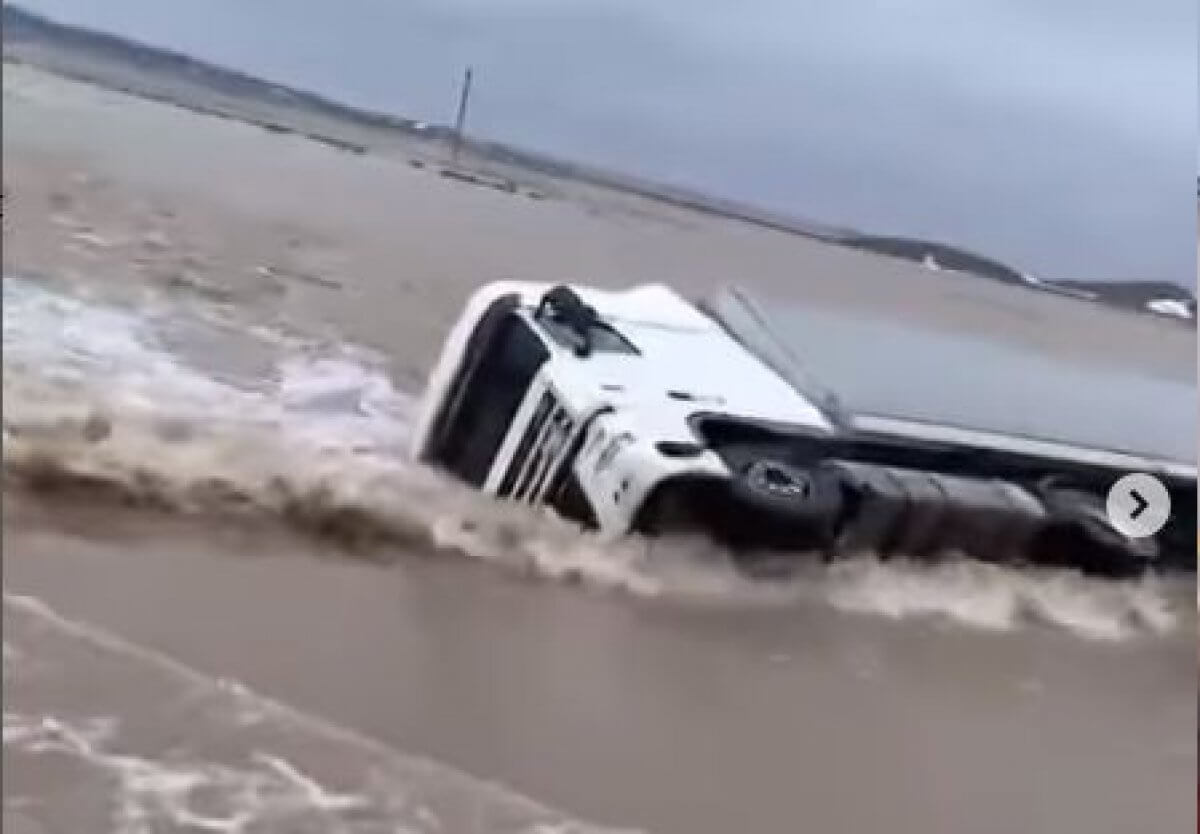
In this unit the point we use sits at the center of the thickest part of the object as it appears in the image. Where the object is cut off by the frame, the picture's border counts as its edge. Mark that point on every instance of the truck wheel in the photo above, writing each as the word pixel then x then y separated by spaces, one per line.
pixel 1079 535
pixel 791 495
pixel 793 512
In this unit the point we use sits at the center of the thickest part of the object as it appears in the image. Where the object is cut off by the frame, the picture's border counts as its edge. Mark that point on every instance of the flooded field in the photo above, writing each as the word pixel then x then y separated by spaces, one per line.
pixel 233 604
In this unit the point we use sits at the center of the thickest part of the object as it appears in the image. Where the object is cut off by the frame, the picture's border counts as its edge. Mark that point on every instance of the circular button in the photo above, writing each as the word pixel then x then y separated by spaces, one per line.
pixel 1138 505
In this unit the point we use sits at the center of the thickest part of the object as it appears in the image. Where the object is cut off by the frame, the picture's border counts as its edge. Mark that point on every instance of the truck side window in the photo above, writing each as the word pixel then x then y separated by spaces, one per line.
pixel 601 337
pixel 495 390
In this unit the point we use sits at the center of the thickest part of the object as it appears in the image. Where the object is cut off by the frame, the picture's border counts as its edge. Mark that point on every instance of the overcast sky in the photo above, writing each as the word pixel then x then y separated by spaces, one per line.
pixel 1058 135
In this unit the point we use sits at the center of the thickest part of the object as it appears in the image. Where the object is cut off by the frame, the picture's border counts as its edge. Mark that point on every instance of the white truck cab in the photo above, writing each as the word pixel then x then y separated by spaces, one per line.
pixel 636 411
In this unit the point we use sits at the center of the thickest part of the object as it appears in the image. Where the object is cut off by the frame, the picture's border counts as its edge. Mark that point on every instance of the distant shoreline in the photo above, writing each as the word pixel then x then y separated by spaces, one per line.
pixel 170 77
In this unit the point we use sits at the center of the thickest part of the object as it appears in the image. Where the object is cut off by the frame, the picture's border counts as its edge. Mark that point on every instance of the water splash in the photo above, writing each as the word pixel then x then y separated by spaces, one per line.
pixel 102 402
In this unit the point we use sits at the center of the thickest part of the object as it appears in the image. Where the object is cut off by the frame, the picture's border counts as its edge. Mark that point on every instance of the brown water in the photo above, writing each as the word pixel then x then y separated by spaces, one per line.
pixel 267 530
pixel 231 604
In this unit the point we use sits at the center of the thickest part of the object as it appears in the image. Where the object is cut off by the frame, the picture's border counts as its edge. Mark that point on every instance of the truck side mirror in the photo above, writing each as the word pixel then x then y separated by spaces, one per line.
pixel 569 310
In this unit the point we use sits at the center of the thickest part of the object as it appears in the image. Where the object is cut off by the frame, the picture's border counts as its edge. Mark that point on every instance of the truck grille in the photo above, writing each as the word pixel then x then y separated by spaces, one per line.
pixel 532 470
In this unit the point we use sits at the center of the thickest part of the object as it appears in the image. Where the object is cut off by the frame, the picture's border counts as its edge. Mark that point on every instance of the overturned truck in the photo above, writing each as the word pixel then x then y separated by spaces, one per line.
pixel 787 433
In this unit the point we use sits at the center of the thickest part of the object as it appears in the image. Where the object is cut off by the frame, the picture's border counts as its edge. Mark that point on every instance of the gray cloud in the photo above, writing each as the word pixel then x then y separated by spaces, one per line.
pixel 1057 134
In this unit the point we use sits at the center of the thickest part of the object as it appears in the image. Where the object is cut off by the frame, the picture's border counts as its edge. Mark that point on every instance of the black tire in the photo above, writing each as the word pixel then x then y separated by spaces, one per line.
pixel 794 512
pixel 791 495
pixel 1080 536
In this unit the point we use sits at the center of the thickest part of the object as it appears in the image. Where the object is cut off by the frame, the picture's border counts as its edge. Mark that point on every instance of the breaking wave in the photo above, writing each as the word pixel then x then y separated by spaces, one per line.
pixel 191 411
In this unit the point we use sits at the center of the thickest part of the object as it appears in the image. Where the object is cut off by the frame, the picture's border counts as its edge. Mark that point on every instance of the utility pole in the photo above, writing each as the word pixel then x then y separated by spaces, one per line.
pixel 461 118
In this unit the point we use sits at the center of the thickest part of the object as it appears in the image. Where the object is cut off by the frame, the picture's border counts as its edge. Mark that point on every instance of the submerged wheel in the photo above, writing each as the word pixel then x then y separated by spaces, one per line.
pixel 794 512
pixel 790 494
pixel 1079 535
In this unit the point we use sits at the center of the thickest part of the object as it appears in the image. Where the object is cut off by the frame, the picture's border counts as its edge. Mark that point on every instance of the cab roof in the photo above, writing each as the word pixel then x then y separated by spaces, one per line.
pixel 685 363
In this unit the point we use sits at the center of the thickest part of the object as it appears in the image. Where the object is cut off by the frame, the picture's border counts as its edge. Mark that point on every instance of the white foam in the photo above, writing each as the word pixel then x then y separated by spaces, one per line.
pixel 156 795
pixel 60 350
pixel 999 598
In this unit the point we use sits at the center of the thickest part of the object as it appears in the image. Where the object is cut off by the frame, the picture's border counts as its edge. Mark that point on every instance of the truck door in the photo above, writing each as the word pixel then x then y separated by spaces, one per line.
pixel 496 377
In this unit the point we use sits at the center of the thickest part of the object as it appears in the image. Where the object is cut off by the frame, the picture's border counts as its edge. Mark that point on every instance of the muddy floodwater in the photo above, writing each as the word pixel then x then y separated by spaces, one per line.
pixel 232 603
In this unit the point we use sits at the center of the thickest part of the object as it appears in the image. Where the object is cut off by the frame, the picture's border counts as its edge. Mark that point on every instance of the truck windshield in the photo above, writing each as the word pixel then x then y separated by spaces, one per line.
pixel 493 388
